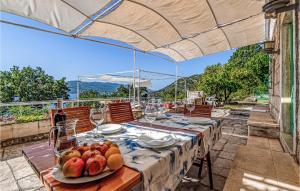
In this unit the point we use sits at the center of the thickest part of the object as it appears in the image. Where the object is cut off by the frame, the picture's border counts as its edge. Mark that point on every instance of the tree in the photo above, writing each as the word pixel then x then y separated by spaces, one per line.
pixel 89 94
pixel 29 84
pixel 249 66
pixel 216 81
pixel 123 91
pixel 245 73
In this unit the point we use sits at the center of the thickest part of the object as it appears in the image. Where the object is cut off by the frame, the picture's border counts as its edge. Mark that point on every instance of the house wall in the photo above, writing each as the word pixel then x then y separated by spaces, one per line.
pixel 275 89
pixel 297 76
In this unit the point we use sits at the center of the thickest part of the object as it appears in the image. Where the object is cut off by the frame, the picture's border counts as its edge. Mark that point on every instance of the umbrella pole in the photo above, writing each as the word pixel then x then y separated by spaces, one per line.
pixel 134 70
pixel 176 85
pixel 139 81
pixel 78 94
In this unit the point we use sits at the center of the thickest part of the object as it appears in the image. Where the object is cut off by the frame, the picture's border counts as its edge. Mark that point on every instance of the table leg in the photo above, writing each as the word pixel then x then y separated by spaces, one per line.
pixel 209 170
pixel 200 168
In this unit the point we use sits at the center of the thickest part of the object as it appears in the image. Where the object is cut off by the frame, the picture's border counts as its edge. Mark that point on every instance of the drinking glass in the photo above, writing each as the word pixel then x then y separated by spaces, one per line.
pixel 190 105
pixel 97 116
pixel 150 113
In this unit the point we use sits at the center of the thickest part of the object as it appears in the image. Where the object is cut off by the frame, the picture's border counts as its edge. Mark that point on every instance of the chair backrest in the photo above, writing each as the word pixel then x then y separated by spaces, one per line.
pixel 81 113
pixel 120 112
pixel 199 111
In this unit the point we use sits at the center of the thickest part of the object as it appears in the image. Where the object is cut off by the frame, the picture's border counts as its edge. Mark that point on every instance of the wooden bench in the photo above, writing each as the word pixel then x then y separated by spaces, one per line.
pixel 81 113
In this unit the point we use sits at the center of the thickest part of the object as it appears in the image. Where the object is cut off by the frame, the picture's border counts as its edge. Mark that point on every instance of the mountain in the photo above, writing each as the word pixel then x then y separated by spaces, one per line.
pixel 98 86
pixel 166 93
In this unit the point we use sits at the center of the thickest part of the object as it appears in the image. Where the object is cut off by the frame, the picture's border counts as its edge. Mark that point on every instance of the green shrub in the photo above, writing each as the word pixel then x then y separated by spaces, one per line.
pixel 25 114
pixel 29 118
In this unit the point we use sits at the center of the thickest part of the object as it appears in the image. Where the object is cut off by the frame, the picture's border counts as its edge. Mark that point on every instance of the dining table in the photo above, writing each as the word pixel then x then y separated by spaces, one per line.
pixel 145 168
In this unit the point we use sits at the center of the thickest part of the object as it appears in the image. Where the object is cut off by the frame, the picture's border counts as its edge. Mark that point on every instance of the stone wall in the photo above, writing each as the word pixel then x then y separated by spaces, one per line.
pixel 274 91
pixel 15 133
pixel 297 84
pixel 17 130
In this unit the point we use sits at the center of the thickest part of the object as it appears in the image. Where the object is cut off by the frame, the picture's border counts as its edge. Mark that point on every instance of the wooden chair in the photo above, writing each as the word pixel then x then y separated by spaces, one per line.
pixel 202 111
pixel 120 112
pixel 199 163
pixel 199 111
pixel 81 113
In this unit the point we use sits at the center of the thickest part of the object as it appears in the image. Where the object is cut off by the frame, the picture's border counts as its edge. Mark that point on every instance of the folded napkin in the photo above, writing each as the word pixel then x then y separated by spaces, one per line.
pixel 155 141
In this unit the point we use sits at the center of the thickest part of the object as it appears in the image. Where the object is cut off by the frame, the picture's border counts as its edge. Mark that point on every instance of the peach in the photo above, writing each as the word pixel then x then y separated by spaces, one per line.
pixel 114 145
pixel 95 165
pixel 107 142
pixel 68 155
pixel 87 154
pixel 73 167
pixel 112 150
pixel 115 161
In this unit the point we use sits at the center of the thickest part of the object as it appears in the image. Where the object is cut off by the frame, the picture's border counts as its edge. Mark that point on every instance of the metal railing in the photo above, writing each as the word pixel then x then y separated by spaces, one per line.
pixel 21 112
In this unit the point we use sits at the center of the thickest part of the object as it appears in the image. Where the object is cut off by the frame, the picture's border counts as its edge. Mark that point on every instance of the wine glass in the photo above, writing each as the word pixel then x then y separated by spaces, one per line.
pixel 190 105
pixel 150 113
pixel 161 109
pixel 97 117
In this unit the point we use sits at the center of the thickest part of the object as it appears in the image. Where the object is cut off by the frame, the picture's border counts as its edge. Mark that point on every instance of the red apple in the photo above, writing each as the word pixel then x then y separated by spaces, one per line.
pixel 68 155
pixel 73 167
pixel 95 165
pixel 87 154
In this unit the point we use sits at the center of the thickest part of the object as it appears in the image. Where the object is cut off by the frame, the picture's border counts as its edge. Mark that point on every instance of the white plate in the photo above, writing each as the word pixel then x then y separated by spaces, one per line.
pixel 110 128
pixel 157 141
pixel 164 145
pixel 156 147
pixel 199 120
pixel 58 175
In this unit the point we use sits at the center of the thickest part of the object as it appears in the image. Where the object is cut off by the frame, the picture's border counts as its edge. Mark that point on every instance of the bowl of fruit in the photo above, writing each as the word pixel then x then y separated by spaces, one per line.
pixel 88 163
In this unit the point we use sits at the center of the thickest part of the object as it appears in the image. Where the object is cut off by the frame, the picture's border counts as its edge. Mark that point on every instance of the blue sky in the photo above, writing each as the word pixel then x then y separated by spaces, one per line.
pixel 67 57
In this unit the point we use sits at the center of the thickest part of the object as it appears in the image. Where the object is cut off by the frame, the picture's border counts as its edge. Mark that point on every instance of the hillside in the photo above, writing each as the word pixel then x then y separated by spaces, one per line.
pixel 168 92
pixel 98 86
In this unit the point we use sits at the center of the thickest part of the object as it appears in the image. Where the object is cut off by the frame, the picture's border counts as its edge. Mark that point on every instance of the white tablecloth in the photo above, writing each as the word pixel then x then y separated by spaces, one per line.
pixel 164 170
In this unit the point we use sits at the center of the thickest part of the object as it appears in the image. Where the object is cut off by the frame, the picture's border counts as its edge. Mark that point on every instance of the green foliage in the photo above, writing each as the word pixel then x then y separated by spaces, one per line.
pixel 24 114
pixel 217 81
pixel 89 94
pixel 30 118
pixel 29 84
pixel 168 93
pixel 122 92
pixel 249 66
pixel 245 74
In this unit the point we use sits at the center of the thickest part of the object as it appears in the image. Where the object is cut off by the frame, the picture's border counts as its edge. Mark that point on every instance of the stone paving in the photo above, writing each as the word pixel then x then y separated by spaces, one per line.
pixel 234 134
pixel 16 174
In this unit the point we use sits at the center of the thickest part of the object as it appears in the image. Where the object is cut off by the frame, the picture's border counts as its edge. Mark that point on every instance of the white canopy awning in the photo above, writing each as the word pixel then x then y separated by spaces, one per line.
pixel 121 79
pixel 181 29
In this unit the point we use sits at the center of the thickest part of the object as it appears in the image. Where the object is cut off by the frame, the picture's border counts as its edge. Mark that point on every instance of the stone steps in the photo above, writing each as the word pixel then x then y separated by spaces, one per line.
pixel 263 125
pixel 262 165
